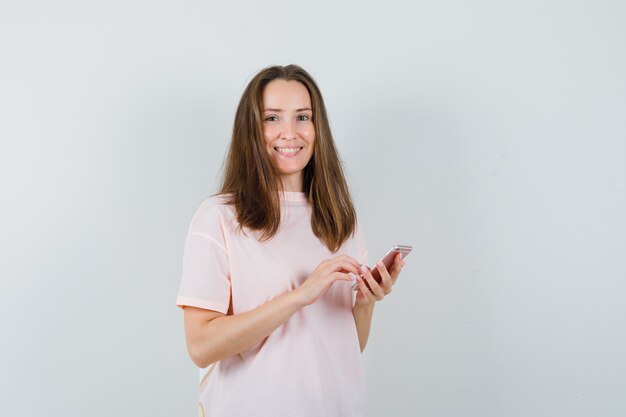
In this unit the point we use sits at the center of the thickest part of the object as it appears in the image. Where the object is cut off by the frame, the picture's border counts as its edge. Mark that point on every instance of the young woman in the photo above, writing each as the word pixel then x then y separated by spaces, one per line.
pixel 270 261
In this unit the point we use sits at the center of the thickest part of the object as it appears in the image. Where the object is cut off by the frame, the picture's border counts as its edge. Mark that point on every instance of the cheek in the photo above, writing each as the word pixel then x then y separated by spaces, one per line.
pixel 310 136
pixel 267 136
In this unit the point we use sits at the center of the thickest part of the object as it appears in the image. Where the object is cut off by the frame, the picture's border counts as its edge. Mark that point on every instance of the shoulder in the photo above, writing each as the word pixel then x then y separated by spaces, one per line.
pixel 211 212
pixel 216 202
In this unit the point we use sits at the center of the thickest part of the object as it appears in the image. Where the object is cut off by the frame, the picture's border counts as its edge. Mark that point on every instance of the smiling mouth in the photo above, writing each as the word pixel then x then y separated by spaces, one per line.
pixel 288 151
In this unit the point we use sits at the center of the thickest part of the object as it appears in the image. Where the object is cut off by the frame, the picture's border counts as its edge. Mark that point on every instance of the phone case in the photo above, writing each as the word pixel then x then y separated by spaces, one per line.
pixel 387 260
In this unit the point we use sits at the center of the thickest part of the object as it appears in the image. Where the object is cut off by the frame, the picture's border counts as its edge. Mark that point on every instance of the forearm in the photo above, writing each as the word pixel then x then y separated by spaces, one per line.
pixel 363 320
pixel 229 335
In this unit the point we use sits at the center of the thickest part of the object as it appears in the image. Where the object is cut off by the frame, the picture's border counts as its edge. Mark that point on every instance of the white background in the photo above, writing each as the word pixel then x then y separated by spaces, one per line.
pixel 490 135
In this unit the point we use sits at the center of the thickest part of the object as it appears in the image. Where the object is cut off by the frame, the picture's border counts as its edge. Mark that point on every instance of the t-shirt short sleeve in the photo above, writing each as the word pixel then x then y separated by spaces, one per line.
pixel 205 281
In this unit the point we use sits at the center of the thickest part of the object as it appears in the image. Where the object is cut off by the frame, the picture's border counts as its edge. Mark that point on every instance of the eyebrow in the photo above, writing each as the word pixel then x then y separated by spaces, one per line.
pixel 279 110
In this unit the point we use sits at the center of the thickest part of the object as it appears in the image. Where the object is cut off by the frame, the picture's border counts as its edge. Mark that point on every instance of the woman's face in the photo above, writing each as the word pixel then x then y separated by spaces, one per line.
pixel 288 129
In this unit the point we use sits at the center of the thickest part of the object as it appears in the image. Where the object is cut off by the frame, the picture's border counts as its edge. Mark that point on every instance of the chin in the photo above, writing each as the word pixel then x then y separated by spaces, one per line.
pixel 289 171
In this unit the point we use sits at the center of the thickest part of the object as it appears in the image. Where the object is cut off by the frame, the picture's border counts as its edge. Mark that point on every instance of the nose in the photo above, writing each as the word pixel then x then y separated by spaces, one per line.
pixel 289 130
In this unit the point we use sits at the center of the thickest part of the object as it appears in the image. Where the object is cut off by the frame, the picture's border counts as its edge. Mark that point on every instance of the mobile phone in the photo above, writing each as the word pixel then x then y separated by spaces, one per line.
pixel 388 261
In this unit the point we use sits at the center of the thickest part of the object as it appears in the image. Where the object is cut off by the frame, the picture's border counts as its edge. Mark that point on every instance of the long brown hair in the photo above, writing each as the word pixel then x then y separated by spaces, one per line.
pixel 251 181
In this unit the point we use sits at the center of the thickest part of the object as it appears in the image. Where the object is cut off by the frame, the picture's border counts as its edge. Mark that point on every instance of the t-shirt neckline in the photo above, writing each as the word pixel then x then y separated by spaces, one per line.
pixel 292 196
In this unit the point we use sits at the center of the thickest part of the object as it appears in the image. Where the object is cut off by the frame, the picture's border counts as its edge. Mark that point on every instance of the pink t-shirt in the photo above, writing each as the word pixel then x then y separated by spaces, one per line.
pixel 309 366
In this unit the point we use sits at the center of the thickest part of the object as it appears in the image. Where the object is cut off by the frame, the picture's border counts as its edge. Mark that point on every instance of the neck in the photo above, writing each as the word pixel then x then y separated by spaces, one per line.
pixel 293 182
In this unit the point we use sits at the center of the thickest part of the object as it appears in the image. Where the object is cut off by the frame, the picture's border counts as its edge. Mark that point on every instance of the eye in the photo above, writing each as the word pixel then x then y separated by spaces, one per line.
pixel 303 117
pixel 271 118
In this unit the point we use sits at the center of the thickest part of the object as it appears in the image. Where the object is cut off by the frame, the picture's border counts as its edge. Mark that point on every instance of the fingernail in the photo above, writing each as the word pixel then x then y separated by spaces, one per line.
pixel 379 263
pixel 364 268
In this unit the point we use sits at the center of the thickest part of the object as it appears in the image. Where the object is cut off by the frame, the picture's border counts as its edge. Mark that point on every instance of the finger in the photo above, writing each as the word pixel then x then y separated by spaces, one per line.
pixel 378 292
pixel 338 265
pixel 341 276
pixel 386 280
pixel 364 290
pixel 396 268
pixel 349 259
pixel 362 271
pixel 397 264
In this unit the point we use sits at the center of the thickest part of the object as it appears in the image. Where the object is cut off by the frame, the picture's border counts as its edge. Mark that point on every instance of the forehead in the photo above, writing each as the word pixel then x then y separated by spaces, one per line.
pixel 283 94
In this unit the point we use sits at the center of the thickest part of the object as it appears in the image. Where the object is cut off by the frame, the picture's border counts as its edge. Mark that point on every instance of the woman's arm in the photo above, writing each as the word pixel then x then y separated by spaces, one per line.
pixel 212 336
pixel 366 297
pixel 363 320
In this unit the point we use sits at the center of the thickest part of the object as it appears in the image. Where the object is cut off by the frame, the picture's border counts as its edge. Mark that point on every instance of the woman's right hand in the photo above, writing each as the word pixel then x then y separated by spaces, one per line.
pixel 324 275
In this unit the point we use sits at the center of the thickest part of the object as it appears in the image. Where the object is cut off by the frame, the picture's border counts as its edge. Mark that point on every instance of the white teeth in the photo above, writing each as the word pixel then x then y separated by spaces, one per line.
pixel 288 151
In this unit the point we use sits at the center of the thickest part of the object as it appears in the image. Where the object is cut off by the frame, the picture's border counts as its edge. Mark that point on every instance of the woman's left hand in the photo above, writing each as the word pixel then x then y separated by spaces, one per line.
pixel 365 296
